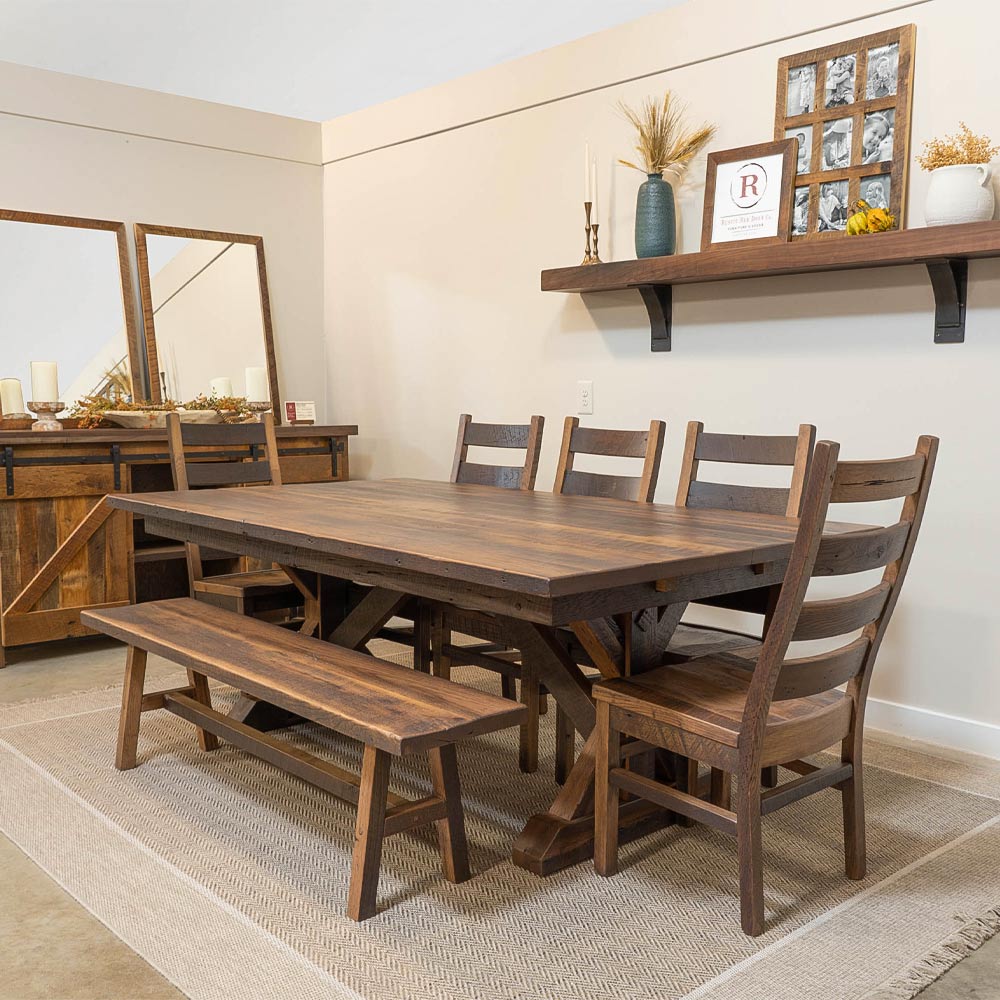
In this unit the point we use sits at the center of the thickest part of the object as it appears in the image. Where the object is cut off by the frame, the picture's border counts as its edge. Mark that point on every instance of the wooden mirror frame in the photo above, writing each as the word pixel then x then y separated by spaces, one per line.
pixel 142 230
pixel 136 367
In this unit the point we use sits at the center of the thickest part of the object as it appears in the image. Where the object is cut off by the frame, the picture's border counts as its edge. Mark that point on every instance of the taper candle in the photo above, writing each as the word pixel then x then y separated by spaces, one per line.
pixel 44 382
pixel 593 188
pixel 586 172
pixel 11 397
pixel 220 387
pixel 257 388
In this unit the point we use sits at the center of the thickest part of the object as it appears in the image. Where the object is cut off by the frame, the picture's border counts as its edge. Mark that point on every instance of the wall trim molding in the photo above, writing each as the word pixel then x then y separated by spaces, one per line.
pixel 952 731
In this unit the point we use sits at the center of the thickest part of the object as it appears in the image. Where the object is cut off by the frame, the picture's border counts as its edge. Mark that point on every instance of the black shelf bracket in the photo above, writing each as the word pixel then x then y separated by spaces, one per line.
pixel 659 302
pixel 950 281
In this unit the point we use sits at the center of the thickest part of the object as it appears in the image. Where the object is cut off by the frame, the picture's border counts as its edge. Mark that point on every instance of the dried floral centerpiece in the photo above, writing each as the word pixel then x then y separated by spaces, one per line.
pixel 100 411
pixel 665 143
pixel 960 189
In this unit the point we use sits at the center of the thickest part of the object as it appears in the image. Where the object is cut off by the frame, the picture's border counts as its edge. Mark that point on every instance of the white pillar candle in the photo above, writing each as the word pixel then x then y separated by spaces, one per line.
pixel 220 387
pixel 257 390
pixel 44 382
pixel 586 172
pixel 11 397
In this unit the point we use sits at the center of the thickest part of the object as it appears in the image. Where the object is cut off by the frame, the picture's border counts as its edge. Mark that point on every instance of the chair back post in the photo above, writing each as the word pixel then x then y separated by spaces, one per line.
pixel 815 504
pixel 651 463
pixel 566 454
pixel 804 448
pixel 509 436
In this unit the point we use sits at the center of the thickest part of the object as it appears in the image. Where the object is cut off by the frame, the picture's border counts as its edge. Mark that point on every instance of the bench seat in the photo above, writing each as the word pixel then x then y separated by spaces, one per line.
pixel 392 710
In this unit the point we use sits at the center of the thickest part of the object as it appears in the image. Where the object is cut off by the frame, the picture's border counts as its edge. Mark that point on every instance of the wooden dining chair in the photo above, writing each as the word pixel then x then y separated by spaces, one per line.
pixel 744 710
pixel 497 656
pixel 430 632
pixel 236 455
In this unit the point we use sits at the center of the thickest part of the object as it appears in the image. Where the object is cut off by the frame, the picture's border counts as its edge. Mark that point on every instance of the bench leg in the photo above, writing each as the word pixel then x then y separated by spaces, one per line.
pixel 128 722
pixel 451 829
pixel 206 740
pixel 368 834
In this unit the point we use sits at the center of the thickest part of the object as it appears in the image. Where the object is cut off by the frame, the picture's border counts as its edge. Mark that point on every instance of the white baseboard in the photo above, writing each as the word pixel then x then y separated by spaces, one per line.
pixel 933 727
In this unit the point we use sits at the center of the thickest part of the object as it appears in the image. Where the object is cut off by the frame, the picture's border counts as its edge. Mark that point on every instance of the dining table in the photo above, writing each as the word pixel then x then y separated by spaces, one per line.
pixel 617 575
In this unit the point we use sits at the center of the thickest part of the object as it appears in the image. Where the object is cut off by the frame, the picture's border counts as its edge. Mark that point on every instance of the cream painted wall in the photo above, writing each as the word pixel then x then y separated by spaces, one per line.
pixel 80 147
pixel 433 253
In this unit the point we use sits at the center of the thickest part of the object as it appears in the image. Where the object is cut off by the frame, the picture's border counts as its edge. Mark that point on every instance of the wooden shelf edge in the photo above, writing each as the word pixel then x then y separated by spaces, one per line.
pixel 944 250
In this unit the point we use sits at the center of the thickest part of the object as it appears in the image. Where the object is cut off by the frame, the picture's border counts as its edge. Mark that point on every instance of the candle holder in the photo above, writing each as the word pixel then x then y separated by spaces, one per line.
pixel 595 257
pixel 259 409
pixel 587 257
pixel 46 413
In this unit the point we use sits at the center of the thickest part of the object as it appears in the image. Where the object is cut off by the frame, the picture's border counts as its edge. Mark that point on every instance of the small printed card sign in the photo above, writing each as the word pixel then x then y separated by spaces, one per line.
pixel 748 194
pixel 300 412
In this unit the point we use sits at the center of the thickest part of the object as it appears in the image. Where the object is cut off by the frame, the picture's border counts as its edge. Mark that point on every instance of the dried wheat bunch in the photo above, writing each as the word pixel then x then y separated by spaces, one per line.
pixel 963 147
pixel 665 142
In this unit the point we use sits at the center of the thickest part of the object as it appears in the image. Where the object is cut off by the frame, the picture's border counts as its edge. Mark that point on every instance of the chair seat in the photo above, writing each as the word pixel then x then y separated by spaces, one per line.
pixel 258 583
pixel 689 641
pixel 706 697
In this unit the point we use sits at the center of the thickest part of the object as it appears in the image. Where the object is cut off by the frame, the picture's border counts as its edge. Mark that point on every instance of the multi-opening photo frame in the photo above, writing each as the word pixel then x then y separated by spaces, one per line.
pixel 848 105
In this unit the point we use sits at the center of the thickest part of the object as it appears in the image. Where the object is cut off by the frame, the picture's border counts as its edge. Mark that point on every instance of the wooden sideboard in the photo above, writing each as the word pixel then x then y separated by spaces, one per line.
pixel 62 550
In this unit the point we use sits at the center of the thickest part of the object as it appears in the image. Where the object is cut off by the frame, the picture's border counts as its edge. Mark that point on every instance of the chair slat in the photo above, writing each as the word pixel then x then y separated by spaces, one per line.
pixel 612 443
pixel 222 435
pixel 748 499
pixel 840 615
pixel 596 484
pixel 505 476
pixel 497 435
pixel 860 551
pixel 746 449
pixel 811 675
pixel 863 482
pixel 227 473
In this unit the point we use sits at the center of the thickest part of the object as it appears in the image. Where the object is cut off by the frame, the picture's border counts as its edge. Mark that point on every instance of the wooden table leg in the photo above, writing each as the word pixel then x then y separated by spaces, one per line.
pixel 564 835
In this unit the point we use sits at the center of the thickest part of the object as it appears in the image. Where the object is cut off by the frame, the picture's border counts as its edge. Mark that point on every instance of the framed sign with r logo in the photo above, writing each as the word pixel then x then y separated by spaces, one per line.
pixel 748 195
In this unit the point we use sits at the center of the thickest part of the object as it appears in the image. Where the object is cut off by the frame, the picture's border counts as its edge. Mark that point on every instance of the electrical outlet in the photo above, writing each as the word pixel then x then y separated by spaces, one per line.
pixel 585 396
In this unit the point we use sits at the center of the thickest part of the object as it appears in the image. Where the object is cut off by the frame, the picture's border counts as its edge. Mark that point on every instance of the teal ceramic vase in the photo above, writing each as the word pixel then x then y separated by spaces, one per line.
pixel 655 221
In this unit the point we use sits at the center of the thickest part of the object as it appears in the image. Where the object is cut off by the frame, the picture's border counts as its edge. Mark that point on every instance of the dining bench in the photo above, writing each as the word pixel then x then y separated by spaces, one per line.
pixel 391 710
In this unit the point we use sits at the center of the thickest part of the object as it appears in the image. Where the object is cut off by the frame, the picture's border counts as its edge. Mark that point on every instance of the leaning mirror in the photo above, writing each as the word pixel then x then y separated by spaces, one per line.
pixel 207 315
pixel 68 306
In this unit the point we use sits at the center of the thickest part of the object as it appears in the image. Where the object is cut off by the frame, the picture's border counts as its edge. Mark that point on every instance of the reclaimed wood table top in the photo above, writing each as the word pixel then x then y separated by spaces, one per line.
pixel 551 550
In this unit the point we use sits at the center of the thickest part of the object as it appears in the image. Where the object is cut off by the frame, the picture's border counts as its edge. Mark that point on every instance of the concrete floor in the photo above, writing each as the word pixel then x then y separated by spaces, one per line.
pixel 53 949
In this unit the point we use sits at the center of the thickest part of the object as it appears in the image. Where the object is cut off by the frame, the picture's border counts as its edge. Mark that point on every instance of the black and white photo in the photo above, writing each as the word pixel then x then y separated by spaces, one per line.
pixel 837 136
pixel 801 96
pixel 833 206
pixel 876 191
pixel 800 212
pixel 876 145
pixel 883 72
pixel 840 77
pixel 804 136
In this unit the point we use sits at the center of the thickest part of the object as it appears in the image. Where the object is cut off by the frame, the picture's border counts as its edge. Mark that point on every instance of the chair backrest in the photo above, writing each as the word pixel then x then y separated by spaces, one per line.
pixel 839 553
pixel 234 455
pixel 512 477
pixel 793 451
pixel 577 440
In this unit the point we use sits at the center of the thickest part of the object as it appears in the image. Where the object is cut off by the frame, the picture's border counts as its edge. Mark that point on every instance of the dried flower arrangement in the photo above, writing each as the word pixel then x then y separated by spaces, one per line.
pixel 866 219
pixel 90 411
pixel 665 142
pixel 962 147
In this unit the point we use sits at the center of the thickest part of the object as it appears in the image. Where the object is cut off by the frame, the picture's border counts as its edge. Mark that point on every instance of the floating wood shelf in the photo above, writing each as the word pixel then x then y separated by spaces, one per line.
pixel 944 250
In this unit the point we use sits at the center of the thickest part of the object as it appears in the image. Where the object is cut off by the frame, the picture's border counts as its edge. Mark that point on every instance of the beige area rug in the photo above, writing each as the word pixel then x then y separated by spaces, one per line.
pixel 230 878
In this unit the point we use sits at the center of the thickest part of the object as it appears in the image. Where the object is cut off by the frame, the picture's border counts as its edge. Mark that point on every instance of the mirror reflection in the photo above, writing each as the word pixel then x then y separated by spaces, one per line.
pixel 62 302
pixel 207 316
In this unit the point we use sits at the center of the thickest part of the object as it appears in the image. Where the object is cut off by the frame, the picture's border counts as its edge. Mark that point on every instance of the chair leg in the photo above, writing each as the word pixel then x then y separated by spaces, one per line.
pixel 508 687
pixel 565 745
pixel 368 834
pixel 750 859
pixel 451 829
pixel 606 798
pixel 206 740
pixel 530 689
pixel 128 723
pixel 853 797
pixel 440 637
pixel 722 787
pixel 769 776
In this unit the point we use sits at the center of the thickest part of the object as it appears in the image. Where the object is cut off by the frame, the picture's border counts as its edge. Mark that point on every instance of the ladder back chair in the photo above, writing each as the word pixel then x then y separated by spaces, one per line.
pixel 236 455
pixel 745 710
pixel 525 437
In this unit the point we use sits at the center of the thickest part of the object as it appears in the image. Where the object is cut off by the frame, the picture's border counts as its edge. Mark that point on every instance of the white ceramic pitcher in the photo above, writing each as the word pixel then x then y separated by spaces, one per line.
pixel 960 193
